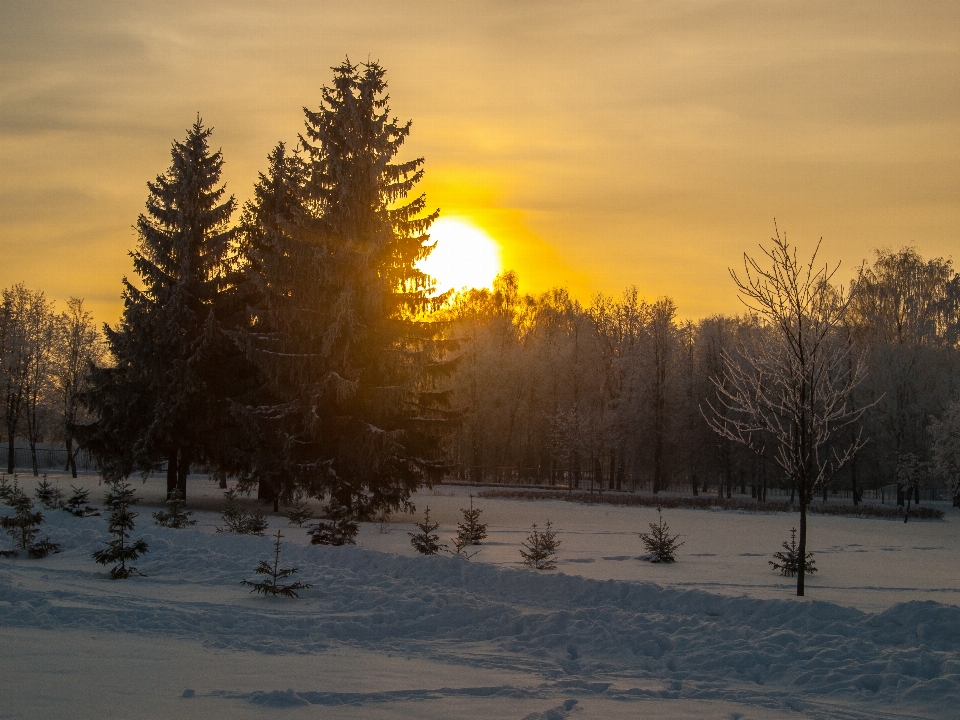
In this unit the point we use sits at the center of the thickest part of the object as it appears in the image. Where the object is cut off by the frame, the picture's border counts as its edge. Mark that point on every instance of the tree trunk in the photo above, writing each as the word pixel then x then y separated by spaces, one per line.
pixel 613 470
pixel 183 469
pixel 853 482
pixel 33 455
pixel 802 550
pixel 171 473
pixel 10 452
pixel 657 461
pixel 693 481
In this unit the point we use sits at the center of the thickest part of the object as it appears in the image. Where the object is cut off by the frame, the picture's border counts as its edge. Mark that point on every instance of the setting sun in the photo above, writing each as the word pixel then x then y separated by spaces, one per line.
pixel 464 256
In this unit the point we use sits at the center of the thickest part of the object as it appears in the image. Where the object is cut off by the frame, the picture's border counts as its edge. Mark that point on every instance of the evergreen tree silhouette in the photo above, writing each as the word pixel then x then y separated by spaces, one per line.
pixel 163 400
pixel 349 403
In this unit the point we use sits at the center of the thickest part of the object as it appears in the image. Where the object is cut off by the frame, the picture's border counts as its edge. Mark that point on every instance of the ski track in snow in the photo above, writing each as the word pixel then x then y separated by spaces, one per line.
pixel 577 636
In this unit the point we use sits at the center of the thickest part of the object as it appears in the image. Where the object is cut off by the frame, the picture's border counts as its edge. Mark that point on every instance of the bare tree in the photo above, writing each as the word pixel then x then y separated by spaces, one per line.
pixel 79 347
pixel 790 395
pixel 14 361
pixel 40 328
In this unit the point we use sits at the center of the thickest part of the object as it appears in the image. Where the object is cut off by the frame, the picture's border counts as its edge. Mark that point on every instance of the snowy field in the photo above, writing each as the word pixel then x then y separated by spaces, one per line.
pixel 385 633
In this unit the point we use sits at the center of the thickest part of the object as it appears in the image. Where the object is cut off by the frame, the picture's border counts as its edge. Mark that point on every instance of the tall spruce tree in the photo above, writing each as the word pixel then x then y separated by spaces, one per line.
pixel 350 403
pixel 159 402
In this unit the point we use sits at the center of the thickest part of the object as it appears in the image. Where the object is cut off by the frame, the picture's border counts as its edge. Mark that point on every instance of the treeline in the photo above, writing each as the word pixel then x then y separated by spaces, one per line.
pixel 46 357
pixel 293 344
pixel 618 394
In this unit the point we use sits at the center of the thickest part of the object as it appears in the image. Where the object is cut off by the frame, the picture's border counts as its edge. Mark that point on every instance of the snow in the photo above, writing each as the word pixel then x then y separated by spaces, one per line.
pixel 385 633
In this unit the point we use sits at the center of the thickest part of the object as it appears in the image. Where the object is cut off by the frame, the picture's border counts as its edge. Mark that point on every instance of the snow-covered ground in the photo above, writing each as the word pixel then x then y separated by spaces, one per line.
pixel 385 633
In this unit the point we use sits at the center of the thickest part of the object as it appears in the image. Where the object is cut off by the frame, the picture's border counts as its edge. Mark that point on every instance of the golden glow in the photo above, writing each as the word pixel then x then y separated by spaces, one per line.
pixel 464 256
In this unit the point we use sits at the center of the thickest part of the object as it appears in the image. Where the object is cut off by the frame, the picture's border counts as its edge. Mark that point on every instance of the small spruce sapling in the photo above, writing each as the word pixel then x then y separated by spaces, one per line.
pixel 49 495
pixel 426 542
pixel 338 529
pixel 787 562
pixel 24 525
pixel 77 504
pixel 120 524
pixel 541 548
pixel 471 531
pixel 177 517
pixel 300 513
pixel 235 520
pixel 659 544
pixel 271 584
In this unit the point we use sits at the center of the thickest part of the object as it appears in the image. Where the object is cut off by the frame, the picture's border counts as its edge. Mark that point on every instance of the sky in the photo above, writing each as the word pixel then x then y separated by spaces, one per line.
pixel 602 143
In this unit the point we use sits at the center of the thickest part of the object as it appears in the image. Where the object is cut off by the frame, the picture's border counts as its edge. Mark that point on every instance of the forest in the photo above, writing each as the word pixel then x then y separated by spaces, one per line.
pixel 291 343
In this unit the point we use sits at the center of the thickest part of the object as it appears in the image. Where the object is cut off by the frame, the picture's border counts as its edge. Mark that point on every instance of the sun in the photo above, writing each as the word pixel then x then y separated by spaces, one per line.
pixel 464 256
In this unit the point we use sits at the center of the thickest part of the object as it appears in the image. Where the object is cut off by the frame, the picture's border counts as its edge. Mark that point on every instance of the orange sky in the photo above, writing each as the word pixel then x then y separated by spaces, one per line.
pixel 603 144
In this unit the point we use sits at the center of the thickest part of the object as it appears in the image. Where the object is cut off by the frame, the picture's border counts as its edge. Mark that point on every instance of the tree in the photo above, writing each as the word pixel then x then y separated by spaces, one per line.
pixel 788 397
pixel 158 402
pixel 300 512
pixel 78 505
pixel 24 525
pixel 39 327
pixel 662 345
pixel 339 529
pixel 14 361
pixel 945 433
pixel 349 404
pixel 659 544
pixel 237 520
pixel 271 585
pixel 788 561
pixel 78 349
pixel 426 542
pixel 471 531
pixel 540 551
pixel 905 314
pixel 120 524
pixel 176 517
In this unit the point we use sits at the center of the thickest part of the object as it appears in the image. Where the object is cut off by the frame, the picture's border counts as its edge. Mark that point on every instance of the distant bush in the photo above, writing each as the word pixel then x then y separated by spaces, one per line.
pixel 700 502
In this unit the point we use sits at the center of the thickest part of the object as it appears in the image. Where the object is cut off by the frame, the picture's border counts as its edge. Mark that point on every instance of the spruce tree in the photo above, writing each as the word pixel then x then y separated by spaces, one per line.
pixel 338 529
pixel 24 525
pixel 159 403
pixel 237 520
pixel 49 495
pixel 120 524
pixel 426 542
pixel 788 562
pixel 471 531
pixel 661 546
pixel 176 517
pixel 78 505
pixel 540 551
pixel 271 583
pixel 349 404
